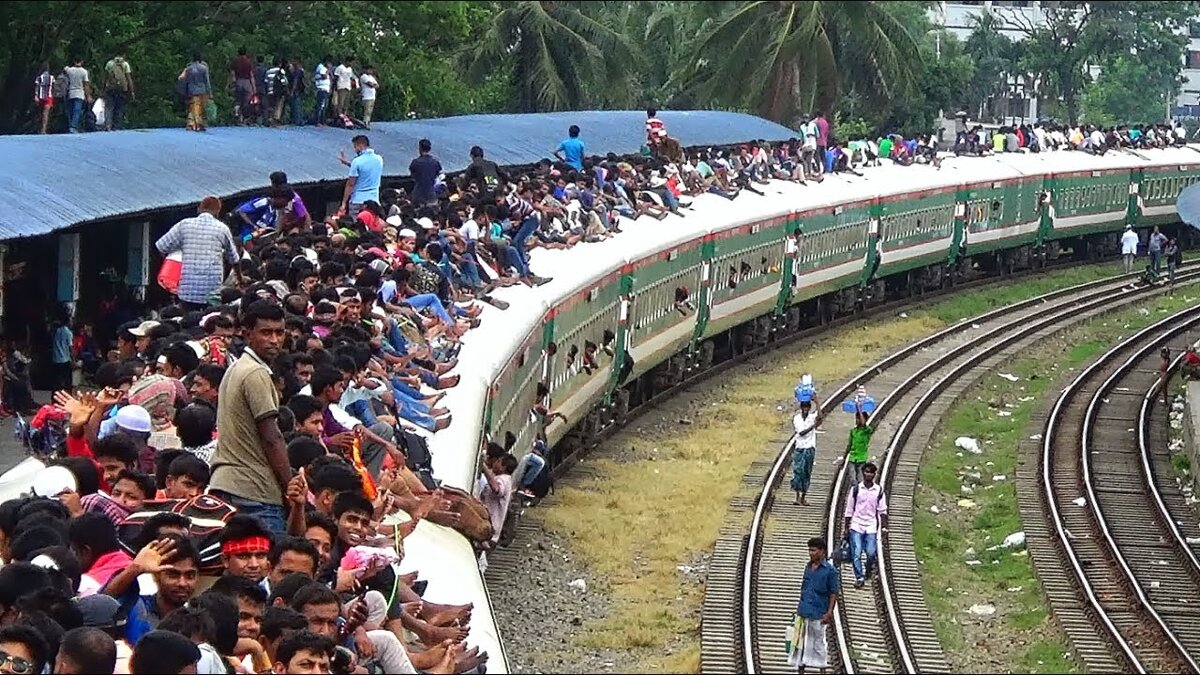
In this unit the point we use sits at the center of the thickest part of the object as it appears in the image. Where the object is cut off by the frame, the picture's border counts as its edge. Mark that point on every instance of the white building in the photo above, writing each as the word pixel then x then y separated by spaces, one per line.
pixel 958 18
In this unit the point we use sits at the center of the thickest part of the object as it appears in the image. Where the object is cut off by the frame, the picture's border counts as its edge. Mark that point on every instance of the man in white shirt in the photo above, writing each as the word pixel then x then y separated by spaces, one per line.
pixel 344 81
pixel 805 448
pixel 79 92
pixel 1129 244
pixel 367 85
pixel 324 85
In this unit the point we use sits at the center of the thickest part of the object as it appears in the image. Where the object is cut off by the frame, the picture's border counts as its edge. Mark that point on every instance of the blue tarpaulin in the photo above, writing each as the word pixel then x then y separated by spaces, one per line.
pixel 53 182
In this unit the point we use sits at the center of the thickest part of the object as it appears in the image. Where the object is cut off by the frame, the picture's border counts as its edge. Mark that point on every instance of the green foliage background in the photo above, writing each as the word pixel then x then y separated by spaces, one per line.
pixel 876 65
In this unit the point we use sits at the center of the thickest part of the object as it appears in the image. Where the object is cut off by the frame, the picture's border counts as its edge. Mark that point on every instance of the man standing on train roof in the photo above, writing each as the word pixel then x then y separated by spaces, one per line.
pixel 866 516
pixel 805 451
pixel 818 600
pixel 572 149
pixel 1129 244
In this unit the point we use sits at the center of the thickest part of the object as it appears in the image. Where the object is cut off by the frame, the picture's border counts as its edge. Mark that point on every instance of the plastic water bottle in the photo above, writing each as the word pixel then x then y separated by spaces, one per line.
pixel 860 401
pixel 805 390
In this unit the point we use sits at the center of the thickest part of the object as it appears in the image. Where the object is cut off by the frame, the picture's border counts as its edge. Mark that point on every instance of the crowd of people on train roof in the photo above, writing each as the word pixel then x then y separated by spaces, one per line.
pixel 261 434
pixel 233 474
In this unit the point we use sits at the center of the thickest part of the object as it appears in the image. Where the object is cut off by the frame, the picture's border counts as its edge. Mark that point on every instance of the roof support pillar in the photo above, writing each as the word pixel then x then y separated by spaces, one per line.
pixel 137 259
pixel 68 270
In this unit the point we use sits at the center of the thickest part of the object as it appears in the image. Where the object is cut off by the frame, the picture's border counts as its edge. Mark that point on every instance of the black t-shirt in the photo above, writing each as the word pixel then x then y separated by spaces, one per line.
pixel 484 173
pixel 424 171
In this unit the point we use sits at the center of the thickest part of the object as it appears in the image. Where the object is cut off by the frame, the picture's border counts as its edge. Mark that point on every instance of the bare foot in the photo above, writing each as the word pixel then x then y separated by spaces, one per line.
pixel 448 617
pixel 432 635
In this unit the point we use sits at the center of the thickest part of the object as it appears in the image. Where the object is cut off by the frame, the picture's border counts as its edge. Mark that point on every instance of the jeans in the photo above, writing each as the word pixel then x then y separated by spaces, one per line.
pixel 469 269
pixel 431 302
pixel 859 541
pixel 321 106
pixel 527 227
pixel 116 110
pixel 271 515
pixel 294 108
pixel 856 471
pixel 363 411
pixel 1155 260
pixel 74 114
pixel 534 463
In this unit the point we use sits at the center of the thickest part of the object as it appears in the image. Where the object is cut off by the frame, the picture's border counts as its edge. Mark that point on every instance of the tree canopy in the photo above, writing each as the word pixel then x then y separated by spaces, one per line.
pixel 879 62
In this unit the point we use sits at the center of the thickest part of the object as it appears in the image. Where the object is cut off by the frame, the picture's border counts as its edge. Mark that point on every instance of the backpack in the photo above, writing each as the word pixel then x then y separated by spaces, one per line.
pixel 60 86
pixel 418 458
pixel 277 81
pixel 207 515
pixel 424 280
pixel 115 76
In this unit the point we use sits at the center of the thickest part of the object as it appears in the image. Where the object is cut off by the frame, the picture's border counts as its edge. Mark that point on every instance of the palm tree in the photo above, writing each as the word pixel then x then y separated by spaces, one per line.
pixel 562 56
pixel 779 58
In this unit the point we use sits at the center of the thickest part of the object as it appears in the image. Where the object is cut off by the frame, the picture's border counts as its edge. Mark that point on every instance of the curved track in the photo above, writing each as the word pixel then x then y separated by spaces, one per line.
pixel 1128 556
pixel 885 628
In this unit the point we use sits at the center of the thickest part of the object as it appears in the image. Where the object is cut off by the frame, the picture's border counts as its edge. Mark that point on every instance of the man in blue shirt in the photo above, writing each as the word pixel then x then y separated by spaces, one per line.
pixel 60 350
pixel 261 214
pixel 818 599
pixel 571 150
pixel 366 173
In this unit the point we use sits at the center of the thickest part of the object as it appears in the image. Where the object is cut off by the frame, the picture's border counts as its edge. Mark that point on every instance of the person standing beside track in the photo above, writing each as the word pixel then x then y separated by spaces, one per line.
pixel 1129 244
pixel 818 600
pixel 805 451
pixel 1157 241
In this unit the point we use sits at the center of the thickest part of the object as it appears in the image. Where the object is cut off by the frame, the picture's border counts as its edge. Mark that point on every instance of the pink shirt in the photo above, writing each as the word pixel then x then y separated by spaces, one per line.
pixel 864 511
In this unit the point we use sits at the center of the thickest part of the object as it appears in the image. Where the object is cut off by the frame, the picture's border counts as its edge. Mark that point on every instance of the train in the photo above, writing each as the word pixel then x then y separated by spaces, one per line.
pixel 630 318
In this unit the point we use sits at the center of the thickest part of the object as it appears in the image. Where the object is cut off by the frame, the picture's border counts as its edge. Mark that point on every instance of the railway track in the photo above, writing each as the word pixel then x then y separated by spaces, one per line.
pixel 885 627
pixel 1115 516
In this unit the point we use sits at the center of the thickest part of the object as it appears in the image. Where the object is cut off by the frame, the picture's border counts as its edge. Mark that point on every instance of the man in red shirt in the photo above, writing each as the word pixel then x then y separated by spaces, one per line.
pixel 241 74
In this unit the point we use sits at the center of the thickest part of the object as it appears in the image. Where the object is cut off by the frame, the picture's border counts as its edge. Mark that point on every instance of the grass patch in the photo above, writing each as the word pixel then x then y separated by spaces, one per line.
pixel 996 412
pixel 966 305
pixel 637 520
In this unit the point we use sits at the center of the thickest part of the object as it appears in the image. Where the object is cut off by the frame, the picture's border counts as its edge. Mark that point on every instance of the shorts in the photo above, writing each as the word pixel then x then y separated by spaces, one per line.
pixel 47 102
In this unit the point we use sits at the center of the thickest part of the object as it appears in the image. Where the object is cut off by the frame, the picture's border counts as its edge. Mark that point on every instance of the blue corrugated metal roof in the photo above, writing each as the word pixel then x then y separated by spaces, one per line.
pixel 53 182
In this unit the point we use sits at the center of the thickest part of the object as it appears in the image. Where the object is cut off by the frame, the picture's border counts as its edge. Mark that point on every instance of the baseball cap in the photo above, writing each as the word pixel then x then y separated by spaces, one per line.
pixel 100 611
pixel 134 418
pixel 143 329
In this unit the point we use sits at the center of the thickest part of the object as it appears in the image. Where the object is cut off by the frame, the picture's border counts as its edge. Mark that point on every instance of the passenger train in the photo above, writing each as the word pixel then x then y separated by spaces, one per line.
pixel 664 300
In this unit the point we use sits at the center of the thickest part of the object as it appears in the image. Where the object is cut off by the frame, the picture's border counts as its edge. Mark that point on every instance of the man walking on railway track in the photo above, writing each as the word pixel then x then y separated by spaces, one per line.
pixel 805 423
pixel 866 515
pixel 858 445
pixel 818 599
